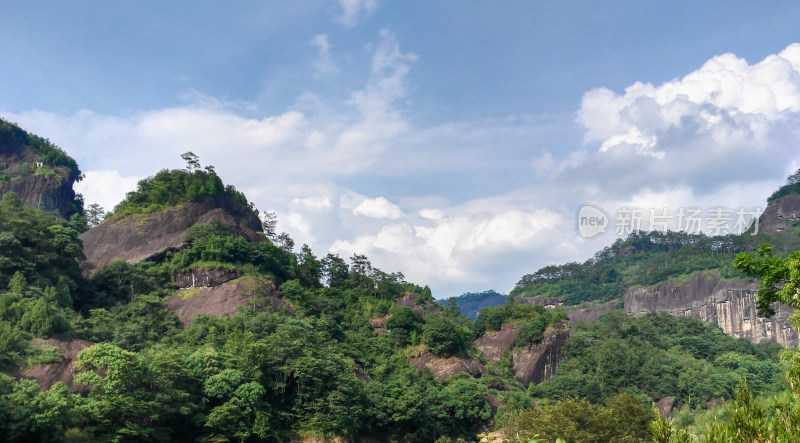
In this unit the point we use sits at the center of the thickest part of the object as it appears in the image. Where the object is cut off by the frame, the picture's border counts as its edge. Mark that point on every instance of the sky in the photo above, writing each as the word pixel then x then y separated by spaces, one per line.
pixel 456 142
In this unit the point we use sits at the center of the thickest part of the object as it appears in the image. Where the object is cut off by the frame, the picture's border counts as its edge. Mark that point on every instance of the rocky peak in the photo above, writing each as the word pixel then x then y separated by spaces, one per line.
pixel 41 180
pixel 150 236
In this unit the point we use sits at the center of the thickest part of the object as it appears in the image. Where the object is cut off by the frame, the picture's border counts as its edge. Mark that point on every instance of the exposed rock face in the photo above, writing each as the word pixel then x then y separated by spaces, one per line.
pixel 666 405
pixel 493 343
pixel 39 191
pixel 410 300
pixel 534 364
pixel 538 363
pixel 730 304
pixel 139 238
pixel 780 215
pixel 581 315
pixel 61 371
pixel 226 298
pixel 197 278
pixel 442 368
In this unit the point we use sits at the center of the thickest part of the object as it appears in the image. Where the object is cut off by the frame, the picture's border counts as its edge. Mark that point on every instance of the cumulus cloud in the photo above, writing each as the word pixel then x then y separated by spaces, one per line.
pixel 726 122
pixel 378 208
pixel 354 11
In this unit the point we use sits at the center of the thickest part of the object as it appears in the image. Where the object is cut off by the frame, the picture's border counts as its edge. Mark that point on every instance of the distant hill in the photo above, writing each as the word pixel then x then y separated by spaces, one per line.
pixel 655 271
pixel 471 303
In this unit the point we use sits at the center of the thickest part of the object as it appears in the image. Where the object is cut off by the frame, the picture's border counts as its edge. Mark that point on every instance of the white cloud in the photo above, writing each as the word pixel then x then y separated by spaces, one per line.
pixel 727 122
pixel 354 11
pixel 104 187
pixel 378 208
pixel 324 64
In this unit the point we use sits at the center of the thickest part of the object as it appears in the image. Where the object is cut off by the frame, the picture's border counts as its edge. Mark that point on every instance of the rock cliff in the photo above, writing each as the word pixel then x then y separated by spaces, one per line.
pixel 533 364
pixel 144 237
pixel 728 303
pixel 226 298
pixel 204 278
pixel 37 183
pixel 780 215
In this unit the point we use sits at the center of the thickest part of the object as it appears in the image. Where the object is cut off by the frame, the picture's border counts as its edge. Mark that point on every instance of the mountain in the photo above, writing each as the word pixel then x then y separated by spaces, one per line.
pixel 684 274
pixel 176 319
pixel 40 173
pixel 471 303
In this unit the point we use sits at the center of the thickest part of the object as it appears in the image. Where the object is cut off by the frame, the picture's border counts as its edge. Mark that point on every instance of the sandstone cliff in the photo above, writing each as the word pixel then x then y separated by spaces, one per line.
pixel 144 237
pixel 780 215
pixel 728 303
pixel 62 370
pixel 37 183
pixel 225 298
pixel 533 364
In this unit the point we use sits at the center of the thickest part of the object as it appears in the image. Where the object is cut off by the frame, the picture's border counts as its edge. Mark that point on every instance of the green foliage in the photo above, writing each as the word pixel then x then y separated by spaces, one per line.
pixel 172 187
pixel 660 356
pixel 37 245
pixel 441 336
pixel 622 419
pixel 403 324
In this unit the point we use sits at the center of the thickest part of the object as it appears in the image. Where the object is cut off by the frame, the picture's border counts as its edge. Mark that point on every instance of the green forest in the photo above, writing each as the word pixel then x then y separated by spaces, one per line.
pixel 336 358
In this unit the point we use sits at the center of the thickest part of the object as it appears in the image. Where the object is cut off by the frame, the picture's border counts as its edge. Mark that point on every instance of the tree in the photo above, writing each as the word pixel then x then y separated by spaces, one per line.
pixel 440 336
pixel 94 215
pixel 779 282
pixel 192 161
pixel 269 224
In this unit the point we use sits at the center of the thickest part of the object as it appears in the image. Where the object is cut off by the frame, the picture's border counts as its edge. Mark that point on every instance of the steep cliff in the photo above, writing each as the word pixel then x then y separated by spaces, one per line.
pixel 37 180
pixel 728 303
pixel 534 364
pixel 144 237
pixel 780 215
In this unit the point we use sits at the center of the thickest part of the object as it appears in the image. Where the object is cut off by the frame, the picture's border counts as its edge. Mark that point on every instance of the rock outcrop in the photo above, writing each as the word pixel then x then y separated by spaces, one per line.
pixel 411 300
pixel 780 215
pixel 50 192
pixel 62 370
pixel 539 362
pixel 226 298
pixel 728 303
pixel 533 364
pixel 205 277
pixel 442 368
pixel 148 237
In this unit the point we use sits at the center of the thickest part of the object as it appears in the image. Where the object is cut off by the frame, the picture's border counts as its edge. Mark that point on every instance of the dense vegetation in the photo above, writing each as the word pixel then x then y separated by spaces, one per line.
pixel 52 154
pixel 334 359
pixel 656 356
pixel 792 186
pixel 643 258
pixel 176 186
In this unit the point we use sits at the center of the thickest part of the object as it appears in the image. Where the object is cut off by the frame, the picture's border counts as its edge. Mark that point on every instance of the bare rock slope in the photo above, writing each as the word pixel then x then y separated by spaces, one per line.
pixel 144 237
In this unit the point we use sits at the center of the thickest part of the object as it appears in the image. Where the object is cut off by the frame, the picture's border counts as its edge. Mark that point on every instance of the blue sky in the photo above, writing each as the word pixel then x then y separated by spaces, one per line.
pixel 452 141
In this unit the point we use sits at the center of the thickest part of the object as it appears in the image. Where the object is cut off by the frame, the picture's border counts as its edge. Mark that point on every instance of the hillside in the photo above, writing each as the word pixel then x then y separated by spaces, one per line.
pixel 641 273
pixel 38 172
pixel 176 319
